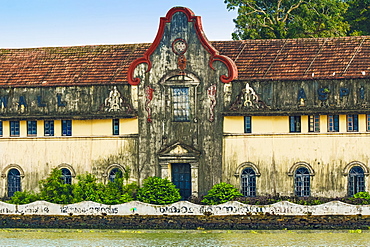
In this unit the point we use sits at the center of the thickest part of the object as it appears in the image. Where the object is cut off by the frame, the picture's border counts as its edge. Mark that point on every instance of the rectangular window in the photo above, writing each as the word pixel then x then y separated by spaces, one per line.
pixel 66 127
pixel 295 124
pixel 49 128
pixel 247 124
pixel 352 123
pixel 368 122
pixel 14 128
pixel 1 128
pixel 31 128
pixel 333 123
pixel 115 126
pixel 181 104
pixel 314 123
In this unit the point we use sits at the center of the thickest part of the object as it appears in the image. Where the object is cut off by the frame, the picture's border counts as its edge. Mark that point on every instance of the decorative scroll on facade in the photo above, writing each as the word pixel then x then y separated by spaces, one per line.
pixel 179 46
pixel 248 99
pixel 211 92
pixel 115 103
pixel 149 97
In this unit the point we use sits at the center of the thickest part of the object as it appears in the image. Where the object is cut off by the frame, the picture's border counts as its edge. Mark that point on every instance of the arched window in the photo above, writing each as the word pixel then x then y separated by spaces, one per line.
pixel 114 173
pixel 14 181
pixel 302 182
pixel 356 180
pixel 66 176
pixel 248 182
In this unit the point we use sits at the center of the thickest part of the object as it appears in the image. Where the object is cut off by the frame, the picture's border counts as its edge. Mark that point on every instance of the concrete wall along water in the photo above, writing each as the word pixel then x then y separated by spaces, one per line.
pixel 183 208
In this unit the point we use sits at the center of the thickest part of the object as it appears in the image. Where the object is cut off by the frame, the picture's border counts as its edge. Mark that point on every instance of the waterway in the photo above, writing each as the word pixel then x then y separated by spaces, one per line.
pixel 60 237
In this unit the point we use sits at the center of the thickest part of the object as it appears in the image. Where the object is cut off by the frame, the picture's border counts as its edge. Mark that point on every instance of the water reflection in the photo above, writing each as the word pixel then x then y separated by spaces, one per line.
pixel 61 237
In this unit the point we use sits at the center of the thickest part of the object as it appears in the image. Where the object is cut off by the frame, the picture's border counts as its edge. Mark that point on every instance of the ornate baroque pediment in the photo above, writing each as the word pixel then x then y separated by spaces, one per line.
pixel 180 31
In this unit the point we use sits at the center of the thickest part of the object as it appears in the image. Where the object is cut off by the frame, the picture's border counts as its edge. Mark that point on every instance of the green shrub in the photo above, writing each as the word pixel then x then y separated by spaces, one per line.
pixel 87 189
pixel 53 189
pixel 116 193
pixel 158 191
pixel 362 195
pixel 129 192
pixel 221 193
pixel 23 197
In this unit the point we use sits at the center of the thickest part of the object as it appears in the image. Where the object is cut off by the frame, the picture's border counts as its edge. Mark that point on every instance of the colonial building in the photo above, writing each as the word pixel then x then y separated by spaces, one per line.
pixel 288 117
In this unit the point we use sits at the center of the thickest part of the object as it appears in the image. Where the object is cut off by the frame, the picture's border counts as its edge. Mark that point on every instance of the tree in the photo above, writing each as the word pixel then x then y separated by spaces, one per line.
pixel 358 17
pixel 280 19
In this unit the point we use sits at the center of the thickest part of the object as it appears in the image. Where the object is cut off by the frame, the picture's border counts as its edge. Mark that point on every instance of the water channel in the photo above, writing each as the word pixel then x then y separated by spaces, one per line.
pixel 76 237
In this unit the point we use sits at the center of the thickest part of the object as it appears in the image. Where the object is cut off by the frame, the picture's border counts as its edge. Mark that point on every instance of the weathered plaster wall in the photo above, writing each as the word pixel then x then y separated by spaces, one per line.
pixel 302 97
pixel 69 101
pixel 38 156
pixel 91 127
pixel 161 131
pixel 274 155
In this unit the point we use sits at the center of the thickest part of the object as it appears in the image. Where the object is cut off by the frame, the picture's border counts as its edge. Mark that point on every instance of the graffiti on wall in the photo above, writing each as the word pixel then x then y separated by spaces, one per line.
pixel 183 208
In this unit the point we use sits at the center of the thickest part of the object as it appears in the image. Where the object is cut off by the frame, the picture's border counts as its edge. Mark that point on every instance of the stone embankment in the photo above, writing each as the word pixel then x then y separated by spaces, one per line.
pixel 231 222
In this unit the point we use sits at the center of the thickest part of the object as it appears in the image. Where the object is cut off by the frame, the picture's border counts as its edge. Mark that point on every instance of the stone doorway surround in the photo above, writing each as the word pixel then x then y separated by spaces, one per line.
pixel 180 153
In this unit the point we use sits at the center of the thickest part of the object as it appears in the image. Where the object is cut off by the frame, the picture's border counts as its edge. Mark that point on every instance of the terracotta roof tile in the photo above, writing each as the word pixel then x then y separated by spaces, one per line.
pixel 291 59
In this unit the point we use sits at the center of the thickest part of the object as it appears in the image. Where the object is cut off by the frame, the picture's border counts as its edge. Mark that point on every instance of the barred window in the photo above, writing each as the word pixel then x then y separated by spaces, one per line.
pixel 356 180
pixel 181 104
pixel 333 123
pixel 314 123
pixel 302 182
pixel 247 124
pixel 352 123
pixel 31 128
pixel 14 182
pixel 115 173
pixel 295 123
pixel 248 182
pixel 66 127
pixel 49 128
pixel 115 126
pixel 14 128
pixel 66 176
pixel 368 122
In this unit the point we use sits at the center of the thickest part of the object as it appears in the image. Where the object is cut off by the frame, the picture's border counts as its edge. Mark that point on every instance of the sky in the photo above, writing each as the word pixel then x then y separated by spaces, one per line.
pixel 50 23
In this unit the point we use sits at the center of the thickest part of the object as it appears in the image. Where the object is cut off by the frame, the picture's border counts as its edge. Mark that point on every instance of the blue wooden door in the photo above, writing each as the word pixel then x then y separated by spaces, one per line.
pixel 181 177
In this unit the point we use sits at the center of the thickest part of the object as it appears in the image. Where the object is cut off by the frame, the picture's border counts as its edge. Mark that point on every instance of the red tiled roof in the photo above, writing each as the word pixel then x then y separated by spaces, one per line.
pixel 79 65
pixel 291 59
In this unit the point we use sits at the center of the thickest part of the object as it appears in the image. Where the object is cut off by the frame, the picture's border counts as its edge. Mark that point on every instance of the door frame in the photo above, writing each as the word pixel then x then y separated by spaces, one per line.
pixel 180 153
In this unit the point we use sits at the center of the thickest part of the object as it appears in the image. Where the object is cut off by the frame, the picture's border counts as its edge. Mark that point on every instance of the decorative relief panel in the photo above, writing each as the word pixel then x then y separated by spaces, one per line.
pixel 149 91
pixel 211 92
pixel 116 103
pixel 247 99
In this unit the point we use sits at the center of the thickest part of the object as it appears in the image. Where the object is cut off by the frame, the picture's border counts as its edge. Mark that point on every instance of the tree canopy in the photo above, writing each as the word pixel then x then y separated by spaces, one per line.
pixel 358 16
pixel 280 19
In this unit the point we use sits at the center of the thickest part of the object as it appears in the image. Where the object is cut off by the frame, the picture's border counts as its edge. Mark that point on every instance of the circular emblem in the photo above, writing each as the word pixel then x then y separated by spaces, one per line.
pixel 179 46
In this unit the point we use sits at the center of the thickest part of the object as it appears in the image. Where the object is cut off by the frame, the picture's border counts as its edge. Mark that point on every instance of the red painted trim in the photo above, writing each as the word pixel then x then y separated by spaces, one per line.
pixel 232 69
